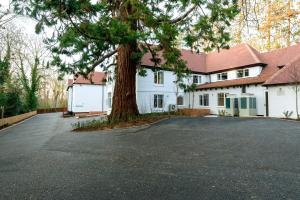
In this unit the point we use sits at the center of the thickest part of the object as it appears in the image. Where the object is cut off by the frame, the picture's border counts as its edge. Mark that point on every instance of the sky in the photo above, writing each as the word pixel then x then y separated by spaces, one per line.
pixel 25 23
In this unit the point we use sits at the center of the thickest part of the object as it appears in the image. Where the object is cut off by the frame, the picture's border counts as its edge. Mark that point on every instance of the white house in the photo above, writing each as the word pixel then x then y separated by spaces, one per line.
pixel 87 95
pixel 238 81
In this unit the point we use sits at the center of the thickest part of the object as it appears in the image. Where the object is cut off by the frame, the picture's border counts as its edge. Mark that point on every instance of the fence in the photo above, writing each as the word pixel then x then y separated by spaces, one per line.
pixel 15 119
pixel 51 110
pixel 194 112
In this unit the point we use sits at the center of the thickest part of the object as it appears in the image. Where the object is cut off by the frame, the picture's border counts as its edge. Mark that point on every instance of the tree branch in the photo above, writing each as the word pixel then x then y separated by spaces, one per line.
pixel 101 59
pixel 179 19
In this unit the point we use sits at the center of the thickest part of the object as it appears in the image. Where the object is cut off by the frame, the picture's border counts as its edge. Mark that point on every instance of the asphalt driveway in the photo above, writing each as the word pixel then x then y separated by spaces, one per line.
pixel 182 158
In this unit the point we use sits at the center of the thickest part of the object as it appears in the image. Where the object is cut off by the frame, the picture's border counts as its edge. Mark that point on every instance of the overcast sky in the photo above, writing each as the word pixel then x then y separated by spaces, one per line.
pixel 25 23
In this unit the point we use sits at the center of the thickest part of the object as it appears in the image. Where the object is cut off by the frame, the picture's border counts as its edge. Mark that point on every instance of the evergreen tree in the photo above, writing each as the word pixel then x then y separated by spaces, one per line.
pixel 90 33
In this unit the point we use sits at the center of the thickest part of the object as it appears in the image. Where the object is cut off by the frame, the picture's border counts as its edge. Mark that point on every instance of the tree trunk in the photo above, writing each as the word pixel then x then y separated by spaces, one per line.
pixel 124 105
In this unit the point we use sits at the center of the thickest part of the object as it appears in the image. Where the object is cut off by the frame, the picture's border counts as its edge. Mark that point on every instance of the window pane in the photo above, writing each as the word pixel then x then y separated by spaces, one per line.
pixel 224 76
pixel 160 101
pixel 227 102
pixel 180 100
pixel 195 79
pixel 246 72
pixel 240 73
pixel 200 100
pixel 155 101
pixel 155 77
pixel 220 99
pixel 206 100
pixel 243 103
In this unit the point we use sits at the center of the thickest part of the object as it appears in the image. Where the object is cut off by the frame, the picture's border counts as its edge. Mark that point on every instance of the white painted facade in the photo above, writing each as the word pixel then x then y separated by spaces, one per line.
pixel 258 91
pixel 87 98
pixel 147 90
pixel 282 98
pixel 232 74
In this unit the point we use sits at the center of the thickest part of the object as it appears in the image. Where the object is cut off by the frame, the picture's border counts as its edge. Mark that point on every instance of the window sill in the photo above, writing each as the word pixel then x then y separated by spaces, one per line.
pixel 158 85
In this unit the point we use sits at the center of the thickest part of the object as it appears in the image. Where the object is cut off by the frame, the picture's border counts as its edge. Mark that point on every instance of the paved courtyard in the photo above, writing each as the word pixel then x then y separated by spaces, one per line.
pixel 181 158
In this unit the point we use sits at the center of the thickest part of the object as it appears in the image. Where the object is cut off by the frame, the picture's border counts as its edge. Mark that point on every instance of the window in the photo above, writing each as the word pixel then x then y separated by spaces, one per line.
pixel 222 76
pixel 109 100
pixel 196 79
pixel 243 103
pixel 242 73
pixel 204 100
pixel 159 77
pixel 158 101
pixel 228 103
pixel 221 99
pixel 246 72
pixel 180 100
pixel 252 103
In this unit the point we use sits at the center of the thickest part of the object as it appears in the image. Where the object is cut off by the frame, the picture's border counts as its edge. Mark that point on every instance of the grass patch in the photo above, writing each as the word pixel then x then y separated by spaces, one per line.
pixel 92 125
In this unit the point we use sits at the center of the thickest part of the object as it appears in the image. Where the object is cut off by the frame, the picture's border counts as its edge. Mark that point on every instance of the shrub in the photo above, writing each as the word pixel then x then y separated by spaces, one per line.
pixel 287 114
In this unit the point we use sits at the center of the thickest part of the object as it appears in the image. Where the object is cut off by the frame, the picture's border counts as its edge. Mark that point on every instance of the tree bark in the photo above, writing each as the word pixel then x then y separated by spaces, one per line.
pixel 124 105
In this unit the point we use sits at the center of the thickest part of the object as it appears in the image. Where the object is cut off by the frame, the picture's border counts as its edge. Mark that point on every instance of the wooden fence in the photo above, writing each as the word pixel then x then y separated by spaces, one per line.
pixel 51 110
pixel 194 112
pixel 15 119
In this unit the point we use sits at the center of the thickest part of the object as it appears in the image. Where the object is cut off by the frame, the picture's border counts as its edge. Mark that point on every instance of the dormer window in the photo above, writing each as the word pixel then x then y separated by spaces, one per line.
pixel 222 76
pixel 196 79
pixel 242 73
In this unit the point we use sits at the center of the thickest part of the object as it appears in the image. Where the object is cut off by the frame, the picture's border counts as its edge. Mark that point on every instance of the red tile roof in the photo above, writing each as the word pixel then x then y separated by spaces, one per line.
pixel 234 82
pixel 238 56
pixel 94 78
pixel 290 73
pixel 195 61
pixel 271 73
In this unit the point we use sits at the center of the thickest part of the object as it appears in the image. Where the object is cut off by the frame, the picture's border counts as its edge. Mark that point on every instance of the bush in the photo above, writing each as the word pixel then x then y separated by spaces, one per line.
pixel 287 114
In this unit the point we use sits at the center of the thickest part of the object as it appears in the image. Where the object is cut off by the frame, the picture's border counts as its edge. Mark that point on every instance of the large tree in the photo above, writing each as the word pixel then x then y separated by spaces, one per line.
pixel 88 33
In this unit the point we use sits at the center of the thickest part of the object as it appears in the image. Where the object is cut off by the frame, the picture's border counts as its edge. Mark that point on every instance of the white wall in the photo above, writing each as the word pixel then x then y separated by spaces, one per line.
pixel 258 91
pixel 89 98
pixel 146 88
pixel 232 74
pixel 70 97
pixel 282 98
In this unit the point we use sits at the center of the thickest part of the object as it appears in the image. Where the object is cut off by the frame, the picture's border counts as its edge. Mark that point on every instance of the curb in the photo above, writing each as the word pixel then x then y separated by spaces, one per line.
pixel 17 123
pixel 127 129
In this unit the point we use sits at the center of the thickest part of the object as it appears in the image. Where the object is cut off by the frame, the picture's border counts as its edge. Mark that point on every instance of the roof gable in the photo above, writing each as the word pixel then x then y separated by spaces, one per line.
pixel 238 56
pixel 94 78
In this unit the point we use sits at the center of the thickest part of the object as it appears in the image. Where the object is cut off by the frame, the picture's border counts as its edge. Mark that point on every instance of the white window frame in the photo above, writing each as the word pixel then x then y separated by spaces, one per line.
pixel 243 75
pixel 182 101
pixel 224 100
pixel 203 101
pixel 159 78
pixel 199 79
pixel 220 76
pixel 156 99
